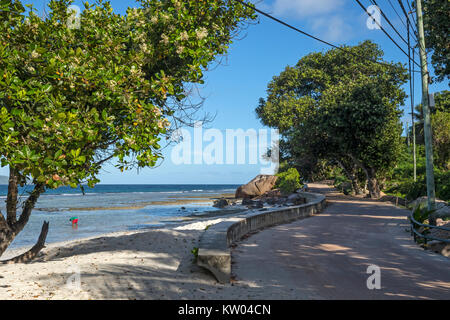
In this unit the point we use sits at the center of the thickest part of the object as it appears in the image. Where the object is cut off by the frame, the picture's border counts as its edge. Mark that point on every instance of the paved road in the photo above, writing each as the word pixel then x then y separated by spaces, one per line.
pixel 327 256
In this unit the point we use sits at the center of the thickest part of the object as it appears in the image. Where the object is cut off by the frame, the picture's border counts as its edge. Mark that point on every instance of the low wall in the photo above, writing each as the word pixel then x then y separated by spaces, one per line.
pixel 214 249
pixel 395 200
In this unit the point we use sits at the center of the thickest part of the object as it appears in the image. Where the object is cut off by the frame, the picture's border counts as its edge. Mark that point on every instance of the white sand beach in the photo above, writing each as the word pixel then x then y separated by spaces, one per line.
pixel 150 264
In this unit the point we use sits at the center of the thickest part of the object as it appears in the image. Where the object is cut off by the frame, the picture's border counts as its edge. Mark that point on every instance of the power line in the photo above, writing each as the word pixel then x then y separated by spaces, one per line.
pixel 395 10
pixel 388 21
pixel 401 20
pixel 411 25
pixel 286 24
pixel 414 34
pixel 411 11
pixel 405 13
pixel 408 26
pixel 411 93
pixel 311 36
pixel 407 18
pixel 386 33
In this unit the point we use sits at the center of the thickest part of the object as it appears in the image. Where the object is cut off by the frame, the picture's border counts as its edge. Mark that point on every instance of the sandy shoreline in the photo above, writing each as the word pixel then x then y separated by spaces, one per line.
pixel 146 264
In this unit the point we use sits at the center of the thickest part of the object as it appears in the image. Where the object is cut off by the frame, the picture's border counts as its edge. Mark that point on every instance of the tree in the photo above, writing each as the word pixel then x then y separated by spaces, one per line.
pixel 340 107
pixel 363 119
pixel 440 120
pixel 351 171
pixel 436 22
pixel 441 138
pixel 72 99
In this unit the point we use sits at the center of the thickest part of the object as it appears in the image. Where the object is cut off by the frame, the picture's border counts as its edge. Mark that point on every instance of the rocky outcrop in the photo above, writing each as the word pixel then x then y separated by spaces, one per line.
pixel 442 207
pixel 272 197
pixel 256 187
pixel 440 248
pixel 442 211
pixel 440 233
pixel 423 201
pixel 275 198
pixel 252 204
pixel 221 203
pixel 296 199
pixel 260 191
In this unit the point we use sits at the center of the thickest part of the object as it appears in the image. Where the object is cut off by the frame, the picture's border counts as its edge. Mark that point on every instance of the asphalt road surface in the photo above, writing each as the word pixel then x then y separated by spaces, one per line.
pixel 327 256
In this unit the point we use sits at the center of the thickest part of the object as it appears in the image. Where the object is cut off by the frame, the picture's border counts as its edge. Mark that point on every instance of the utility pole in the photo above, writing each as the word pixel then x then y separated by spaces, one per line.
pixel 411 93
pixel 407 133
pixel 426 111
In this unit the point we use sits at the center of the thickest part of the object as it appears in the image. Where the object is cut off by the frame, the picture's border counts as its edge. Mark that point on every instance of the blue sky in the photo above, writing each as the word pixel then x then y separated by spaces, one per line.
pixel 233 89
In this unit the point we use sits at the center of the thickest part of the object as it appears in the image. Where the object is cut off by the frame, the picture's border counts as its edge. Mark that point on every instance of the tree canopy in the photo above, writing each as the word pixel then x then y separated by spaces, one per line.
pixel 440 122
pixel 340 106
pixel 436 20
pixel 74 97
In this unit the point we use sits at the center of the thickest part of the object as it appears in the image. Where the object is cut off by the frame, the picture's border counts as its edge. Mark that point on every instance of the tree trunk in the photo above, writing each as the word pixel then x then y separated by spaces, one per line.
pixel 355 186
pixel 33 252
pixel 351 175
pixel 11 227
pixel 6 235
pixel 372 184
pixel 11 200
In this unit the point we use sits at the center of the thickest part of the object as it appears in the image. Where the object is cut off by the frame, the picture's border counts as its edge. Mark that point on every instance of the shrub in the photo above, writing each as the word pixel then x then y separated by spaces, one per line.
pixel 343 184
pixel 414 189
pixel 288 181
pixel 442 181
pixel 194 251
pixel 421 214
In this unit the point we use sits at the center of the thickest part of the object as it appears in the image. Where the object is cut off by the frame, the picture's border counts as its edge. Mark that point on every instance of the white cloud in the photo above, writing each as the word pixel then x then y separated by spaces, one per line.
pixel 305 8
pixel 333 29
pixel 326 19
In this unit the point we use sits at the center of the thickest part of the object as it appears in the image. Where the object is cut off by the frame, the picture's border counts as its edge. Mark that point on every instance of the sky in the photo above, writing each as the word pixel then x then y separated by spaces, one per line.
pixel 232 89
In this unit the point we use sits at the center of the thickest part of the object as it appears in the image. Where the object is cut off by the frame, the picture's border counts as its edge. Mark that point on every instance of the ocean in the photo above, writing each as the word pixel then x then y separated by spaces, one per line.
pixel 110 208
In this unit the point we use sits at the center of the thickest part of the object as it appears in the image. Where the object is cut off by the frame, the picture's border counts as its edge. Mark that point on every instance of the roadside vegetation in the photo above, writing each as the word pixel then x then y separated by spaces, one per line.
pixel 339 117
pixel 288 181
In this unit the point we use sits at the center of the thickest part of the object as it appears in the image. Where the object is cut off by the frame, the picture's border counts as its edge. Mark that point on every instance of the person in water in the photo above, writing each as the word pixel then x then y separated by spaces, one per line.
pixel 74 221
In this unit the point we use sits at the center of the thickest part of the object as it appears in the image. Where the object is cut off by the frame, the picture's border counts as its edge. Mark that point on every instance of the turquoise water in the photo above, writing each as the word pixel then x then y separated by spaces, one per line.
pixel 99 209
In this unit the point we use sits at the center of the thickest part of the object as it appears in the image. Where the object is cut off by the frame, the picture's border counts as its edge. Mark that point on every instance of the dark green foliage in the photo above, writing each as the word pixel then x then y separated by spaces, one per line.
pixel 288 181
pixel 404 170
pixel 442 180
pixel 343 184
pixel 194 251
pixel 436 22
pixel 421 213
pixel 412 190
pixel 440 123
pixel 400 178
pixel 73 98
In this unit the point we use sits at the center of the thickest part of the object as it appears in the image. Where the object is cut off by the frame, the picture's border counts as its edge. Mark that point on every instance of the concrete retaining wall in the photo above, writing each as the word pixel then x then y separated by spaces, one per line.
pixel 214 253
